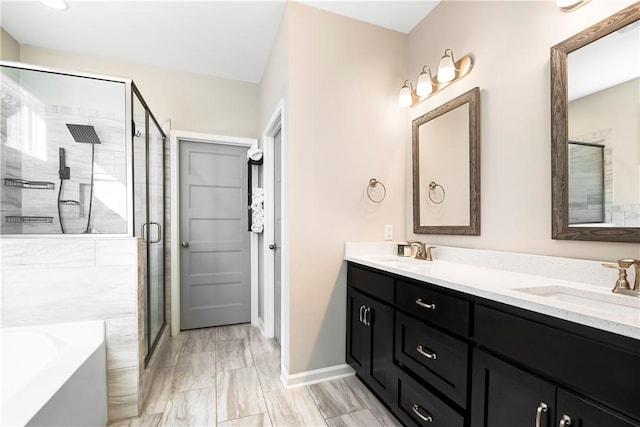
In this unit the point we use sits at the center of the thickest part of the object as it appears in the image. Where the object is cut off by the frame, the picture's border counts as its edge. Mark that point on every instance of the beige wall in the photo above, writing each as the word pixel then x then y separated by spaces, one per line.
pixel 344 128
pixel 193 102
pixel 592 113
pixel 510 44
pixel 9 47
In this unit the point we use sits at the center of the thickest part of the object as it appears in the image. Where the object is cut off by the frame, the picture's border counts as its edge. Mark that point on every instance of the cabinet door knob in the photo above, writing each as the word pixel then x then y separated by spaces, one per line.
pixel 417 410
pixel 565 421
pixel 425 305
pixel 542 407
pixel 361 314
pixel 428 354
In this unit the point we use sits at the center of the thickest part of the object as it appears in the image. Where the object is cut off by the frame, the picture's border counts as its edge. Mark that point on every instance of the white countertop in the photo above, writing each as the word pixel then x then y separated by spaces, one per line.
pixel 588 305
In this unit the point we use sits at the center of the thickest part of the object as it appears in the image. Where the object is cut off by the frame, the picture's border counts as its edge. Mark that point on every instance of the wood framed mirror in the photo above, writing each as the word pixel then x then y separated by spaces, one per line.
pixel 446 168
pixel 595 131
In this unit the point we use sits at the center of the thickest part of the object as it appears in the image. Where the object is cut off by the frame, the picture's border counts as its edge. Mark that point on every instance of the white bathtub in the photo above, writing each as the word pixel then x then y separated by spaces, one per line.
pixel 54 375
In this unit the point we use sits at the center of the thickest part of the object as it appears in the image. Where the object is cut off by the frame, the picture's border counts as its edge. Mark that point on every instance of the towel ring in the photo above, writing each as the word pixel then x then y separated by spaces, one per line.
pixel 373 183
pixel 432 186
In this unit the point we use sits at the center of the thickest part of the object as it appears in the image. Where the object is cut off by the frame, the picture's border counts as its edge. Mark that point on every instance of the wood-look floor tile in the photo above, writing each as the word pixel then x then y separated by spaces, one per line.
pixel 293 407
pixel 259 420
pixel 233 332
pixel 160 391
pixel 198 340
pixel 268 367
pixel 259 344
pixel 336 397
pixel 233 354
pixel 192 408
pixel 363 417
pixel 153 420
pixel 239 394
pixel 195 371
pixel 378 409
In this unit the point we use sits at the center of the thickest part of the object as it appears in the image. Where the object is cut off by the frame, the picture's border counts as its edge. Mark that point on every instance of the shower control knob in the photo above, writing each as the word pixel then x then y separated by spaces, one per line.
pixel 185 244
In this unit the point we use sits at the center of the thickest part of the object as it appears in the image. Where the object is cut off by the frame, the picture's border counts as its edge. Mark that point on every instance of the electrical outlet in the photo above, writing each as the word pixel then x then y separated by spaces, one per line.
pixel 388 232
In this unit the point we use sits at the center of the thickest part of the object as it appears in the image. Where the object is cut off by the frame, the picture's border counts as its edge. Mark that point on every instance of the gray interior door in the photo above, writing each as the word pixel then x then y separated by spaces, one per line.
pixel 277 233
pixel 215 284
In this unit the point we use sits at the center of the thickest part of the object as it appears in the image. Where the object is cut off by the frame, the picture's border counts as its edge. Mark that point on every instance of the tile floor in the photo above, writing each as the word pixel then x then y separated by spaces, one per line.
pixel 229 376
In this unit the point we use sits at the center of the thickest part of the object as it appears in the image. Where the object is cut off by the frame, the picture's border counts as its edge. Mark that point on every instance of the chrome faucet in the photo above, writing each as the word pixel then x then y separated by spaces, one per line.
pixel 424 252
pixel 622 283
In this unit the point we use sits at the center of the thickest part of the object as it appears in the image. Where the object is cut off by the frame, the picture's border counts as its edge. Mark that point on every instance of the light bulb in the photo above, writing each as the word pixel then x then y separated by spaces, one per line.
pixel 424 86
pixel 405 99
pixel 446 69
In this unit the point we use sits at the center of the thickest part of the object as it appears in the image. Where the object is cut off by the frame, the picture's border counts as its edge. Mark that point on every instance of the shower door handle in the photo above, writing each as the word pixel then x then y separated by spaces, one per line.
pixel 159 233
pixel 143 230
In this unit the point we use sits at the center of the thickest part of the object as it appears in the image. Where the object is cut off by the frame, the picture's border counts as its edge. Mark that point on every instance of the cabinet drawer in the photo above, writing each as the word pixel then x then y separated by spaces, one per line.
pixel 436 357
pixel 371 283
pixel 423 408
pixel 593 368
pixel 434 306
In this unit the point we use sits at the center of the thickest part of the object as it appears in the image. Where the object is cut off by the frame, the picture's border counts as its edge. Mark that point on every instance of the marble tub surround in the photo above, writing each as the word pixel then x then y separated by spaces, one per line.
pixel 512 279
pixel 68 279
pixel 249 393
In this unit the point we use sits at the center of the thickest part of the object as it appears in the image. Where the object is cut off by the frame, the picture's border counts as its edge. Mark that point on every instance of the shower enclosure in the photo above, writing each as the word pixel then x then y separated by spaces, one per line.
pixel 81 154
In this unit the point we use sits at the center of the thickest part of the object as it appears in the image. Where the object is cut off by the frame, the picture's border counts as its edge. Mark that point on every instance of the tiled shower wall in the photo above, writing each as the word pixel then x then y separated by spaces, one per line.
pixel 52 280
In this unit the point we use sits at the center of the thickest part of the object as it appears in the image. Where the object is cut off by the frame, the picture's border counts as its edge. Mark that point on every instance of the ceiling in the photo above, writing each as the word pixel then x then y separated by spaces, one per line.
pixel 230 39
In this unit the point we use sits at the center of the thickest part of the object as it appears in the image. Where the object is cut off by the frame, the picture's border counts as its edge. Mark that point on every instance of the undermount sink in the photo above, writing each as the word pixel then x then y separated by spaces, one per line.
pixel 399 261
pixel 602 302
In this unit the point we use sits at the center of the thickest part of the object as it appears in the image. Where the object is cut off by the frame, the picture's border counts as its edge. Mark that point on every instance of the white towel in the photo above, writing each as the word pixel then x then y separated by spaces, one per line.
pixel 257 191
pixel 258 220
pixel 257 228
pixel 256 205
pixel 254 154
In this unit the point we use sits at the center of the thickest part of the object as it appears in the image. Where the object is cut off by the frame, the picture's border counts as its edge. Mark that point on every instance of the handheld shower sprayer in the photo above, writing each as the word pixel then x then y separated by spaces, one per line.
pixel 64 171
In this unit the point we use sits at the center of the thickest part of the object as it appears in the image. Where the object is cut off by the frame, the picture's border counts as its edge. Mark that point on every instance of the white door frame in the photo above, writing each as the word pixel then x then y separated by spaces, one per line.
pixel 176 137
pixel 276 123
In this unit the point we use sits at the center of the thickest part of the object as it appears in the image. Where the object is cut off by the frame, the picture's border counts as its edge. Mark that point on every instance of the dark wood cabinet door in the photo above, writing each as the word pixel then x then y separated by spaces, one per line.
pixel 358 340
pixel 380 321
pixel 505 396
pixel 578 412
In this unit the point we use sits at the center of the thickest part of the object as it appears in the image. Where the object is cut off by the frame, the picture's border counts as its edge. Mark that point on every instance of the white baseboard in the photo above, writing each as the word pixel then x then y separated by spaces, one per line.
pixel 260 325
pixel 316 375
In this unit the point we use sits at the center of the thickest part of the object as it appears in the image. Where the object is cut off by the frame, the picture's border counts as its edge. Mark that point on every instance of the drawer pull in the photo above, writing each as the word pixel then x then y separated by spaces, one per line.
pixel 426 353
pixel 542 407
pixel 367 312
pixel 426 418
pixel 565 421
pixel 425 305
pixel 361 314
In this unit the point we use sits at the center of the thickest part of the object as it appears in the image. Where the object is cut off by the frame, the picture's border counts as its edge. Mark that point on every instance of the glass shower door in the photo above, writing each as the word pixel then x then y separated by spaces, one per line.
pixel 148 172
pixel 155 302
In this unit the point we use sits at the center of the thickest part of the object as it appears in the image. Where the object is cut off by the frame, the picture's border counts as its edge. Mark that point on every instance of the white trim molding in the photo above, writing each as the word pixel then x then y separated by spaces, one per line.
pixel 176 136
pixel 316 376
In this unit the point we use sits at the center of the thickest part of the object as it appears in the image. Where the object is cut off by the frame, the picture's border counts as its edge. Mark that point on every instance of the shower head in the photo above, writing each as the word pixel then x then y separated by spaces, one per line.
pixel 83 133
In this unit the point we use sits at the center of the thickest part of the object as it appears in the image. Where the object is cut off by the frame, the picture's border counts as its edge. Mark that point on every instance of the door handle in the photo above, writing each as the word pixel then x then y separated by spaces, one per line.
pixel 159 232
pixel 143 230
pixel 565 421
pixel 273 246
pixel 184 244
pixel 542 407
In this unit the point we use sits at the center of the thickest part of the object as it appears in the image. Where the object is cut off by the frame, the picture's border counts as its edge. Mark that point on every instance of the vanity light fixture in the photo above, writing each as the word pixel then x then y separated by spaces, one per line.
pixel 447 68
pixel 570 5
pixel 449 71
pixel 55 4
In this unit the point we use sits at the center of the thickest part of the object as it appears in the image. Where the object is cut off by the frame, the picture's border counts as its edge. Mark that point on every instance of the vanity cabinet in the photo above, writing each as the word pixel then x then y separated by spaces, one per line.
pixel 370 333
pixel 507 396
pixel 437 357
